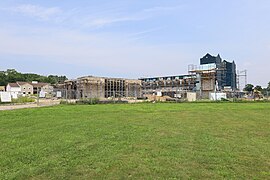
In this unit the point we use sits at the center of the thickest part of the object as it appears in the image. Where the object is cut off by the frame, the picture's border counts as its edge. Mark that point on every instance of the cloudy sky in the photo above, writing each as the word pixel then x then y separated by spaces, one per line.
pixel 133 38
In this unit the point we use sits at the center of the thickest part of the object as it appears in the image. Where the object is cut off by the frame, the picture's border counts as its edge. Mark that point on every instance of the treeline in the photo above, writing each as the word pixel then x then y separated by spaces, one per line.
pixel 251 88
pixel 11 76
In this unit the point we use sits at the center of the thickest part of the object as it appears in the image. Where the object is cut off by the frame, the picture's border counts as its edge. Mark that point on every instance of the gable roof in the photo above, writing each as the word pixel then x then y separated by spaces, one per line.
pixel 13 85
pixel 39 84
pixel 22 83
pixel 36 85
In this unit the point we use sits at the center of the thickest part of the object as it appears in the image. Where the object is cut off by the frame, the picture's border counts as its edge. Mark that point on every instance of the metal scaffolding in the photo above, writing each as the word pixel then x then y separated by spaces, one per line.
pixel 101 87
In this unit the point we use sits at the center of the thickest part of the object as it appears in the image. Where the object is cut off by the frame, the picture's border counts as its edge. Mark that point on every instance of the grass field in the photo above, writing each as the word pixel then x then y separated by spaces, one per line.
pixel 139 141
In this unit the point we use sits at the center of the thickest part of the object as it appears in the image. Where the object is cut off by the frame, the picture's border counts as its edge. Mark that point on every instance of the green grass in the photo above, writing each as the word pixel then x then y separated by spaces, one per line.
pixel 139 141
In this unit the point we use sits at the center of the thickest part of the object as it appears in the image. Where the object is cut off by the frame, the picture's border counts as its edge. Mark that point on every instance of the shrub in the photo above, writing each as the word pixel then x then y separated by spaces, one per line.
pixel 23 100
pixel 89 101
pixel 67 102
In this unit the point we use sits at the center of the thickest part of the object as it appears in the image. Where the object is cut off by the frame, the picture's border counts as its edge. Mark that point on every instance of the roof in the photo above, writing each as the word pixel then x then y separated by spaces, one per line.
pixel 97 77
pixel 22 83
pixel 18 84
pixel 13 85
pixel 166 77
pixel 39 84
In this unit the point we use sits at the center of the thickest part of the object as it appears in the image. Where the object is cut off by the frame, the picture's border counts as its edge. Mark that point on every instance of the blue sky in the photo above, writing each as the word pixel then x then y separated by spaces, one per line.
pixel 133 38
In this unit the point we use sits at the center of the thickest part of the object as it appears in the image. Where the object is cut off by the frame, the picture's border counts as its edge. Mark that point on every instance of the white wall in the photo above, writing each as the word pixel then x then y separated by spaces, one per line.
pixel 13 89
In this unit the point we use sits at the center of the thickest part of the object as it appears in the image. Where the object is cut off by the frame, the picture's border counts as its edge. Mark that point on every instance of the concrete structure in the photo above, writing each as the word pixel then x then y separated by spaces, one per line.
pixel 212 75
pixel 206 79
pixel 102 87
pixel 172 86
pixel 41 87
pixel 225 71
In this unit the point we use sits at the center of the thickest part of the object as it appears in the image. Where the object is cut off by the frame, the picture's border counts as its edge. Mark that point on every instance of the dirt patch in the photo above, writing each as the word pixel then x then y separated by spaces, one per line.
pixel 41 103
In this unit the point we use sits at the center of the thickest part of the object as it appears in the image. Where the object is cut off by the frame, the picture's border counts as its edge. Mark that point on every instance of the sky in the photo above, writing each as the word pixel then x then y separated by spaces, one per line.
pixel 133 38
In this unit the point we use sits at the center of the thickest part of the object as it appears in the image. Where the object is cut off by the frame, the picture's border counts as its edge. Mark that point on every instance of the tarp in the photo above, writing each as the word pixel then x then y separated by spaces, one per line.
pixel 14 95
pixel 217 96
pixel 58 94
pixel 5 96
pixel 191 96
pixel 159 94
pixel 42 94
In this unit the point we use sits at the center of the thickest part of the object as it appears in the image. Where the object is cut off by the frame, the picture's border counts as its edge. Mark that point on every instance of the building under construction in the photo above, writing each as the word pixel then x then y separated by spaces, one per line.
pixel 102 87
pixel 173 86
pixel 225 71
pixel 212 75
pixel 207 76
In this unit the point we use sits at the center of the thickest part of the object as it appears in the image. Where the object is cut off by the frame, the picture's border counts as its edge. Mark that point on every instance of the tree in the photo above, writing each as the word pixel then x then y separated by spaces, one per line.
pixel 249 88
pixel 57 79
pixel 11 76
pixel 3 78
pixel 258 88
pixel 264 91
pixel 268 87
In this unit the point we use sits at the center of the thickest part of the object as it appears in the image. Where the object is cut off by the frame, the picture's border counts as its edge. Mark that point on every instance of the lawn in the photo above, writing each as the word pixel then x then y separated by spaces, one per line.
pixel 137 141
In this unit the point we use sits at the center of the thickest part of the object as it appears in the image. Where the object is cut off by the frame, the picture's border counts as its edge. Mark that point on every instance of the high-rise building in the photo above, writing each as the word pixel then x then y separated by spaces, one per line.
pixel 209 59
pixel 225 71
pixel 230 74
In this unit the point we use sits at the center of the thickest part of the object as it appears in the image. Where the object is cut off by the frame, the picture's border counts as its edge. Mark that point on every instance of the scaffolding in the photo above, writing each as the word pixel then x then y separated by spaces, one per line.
pixel 172 86
pixel 100 87
pixel 240 75
pixel 210 78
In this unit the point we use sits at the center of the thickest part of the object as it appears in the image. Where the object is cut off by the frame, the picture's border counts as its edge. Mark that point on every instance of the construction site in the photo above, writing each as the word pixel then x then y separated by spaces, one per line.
pixel 171 86
pixel 102 87
pixel 213 75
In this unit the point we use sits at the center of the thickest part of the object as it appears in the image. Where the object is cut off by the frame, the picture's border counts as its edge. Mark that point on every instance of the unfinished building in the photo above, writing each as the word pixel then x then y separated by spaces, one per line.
pixel 102 87
pixel 172 86
pixel 212 75
pixel 206 79
pixel 225 71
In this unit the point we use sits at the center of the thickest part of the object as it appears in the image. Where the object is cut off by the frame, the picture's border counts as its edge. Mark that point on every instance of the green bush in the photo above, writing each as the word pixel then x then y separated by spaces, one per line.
pixel 89 101
pixel 23 100
pixel 64 102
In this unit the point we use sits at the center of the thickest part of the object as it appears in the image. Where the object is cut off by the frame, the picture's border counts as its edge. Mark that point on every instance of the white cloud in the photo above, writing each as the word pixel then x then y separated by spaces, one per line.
pixel 100 22
pixel 110 17
pixel 143 34
pixel 160 9
pixel 101 51
pixel 81 17
pixel 36 11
